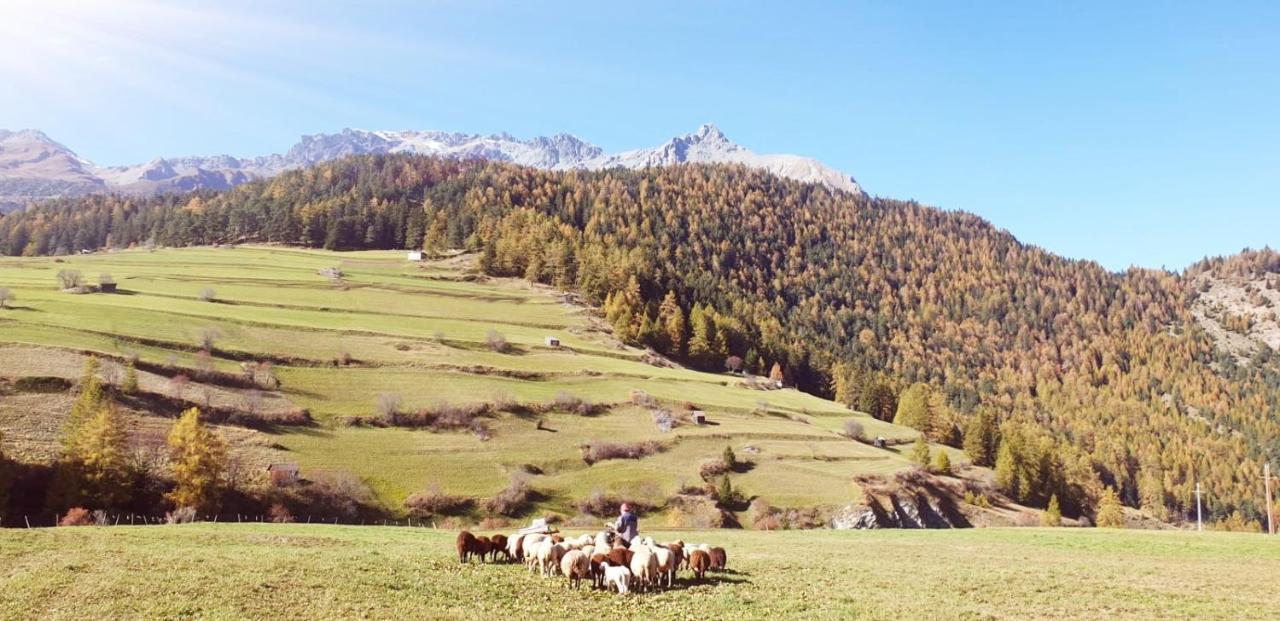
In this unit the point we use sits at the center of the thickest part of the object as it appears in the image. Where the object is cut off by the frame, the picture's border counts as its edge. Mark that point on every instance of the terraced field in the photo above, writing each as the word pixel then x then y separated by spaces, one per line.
pixel 420 332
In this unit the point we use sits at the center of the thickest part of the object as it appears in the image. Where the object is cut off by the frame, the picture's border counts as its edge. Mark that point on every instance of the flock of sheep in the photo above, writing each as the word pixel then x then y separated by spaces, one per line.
pixel 601 558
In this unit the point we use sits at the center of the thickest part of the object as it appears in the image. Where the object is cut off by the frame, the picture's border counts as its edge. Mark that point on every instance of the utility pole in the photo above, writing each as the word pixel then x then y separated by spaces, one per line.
pixel 1271 509
pixel 1199 523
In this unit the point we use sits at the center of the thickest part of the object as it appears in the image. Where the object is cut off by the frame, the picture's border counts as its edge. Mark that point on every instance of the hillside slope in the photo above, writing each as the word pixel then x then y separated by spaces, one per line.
pixel 423 335
pixel 1094 379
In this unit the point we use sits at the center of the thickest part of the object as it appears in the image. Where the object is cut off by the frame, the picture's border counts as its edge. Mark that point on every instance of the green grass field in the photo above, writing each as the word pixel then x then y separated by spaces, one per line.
pixel 227 571
pixel 419 331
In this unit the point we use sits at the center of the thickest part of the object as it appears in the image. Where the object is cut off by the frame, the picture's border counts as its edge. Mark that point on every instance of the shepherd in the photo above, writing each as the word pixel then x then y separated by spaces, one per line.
pixel 628 525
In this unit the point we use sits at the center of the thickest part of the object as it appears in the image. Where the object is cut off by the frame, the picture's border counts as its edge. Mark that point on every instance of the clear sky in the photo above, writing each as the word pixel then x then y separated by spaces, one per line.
pixel 1126 132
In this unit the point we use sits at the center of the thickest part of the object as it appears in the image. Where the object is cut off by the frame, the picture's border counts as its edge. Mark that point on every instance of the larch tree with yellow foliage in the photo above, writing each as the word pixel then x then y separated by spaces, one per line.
pixel 199 457
pixel 86 406
pixel 100 457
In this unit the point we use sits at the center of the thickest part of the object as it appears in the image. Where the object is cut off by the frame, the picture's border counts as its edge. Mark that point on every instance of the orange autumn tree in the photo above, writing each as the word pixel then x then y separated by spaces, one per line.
pixel 199 456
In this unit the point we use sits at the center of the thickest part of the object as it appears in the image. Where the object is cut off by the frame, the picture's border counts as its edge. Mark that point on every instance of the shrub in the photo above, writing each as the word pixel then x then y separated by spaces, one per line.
pixel 181 515
pixel 130 384
pixel 493 523
pixel 764 516
pixel 574 404
pixel 434 502
pixel 726 496
pixel 496 341
pixel 389 404
pixel 605 505
pixel 642 398
pixel 597 451
pixel 664 420
pixel 712 469
pixel 1234 523
pixel 504 402
pixel 335 493
pixel 513 500
pixel 920 451
pixel 442 416
pixel 208 338
pixel 854 430
pixel 941 463
pixel 279 514
pixel 208 295
pixel 76 516
pixel 70 279
pixel 1052 515
pixel 730 460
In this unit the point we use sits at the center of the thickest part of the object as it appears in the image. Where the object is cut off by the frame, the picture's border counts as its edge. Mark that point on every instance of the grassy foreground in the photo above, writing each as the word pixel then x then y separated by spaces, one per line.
pixel 329 572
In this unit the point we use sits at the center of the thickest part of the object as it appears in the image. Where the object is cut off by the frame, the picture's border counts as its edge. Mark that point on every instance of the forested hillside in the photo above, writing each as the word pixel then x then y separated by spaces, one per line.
pixel 1062 376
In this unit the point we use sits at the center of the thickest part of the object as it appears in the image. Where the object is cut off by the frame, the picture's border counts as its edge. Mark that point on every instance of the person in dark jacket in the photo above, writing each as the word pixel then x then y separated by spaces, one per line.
pixel 628 525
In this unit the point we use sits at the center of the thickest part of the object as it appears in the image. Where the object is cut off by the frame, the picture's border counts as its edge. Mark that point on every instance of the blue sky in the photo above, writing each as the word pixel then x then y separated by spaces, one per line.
pixel 1129 133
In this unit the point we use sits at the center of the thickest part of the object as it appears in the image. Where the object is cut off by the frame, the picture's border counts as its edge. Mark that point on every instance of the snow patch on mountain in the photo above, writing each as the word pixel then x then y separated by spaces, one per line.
pixel 34 167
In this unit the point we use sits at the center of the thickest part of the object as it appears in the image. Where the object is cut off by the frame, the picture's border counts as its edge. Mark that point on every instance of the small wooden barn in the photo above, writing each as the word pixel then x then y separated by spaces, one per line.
pixel 282 474
pixel 552 341
pixel 699 417
pixel 415 255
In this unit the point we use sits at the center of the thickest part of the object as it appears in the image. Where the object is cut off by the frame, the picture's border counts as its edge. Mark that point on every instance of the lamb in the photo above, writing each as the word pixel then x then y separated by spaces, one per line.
pixel 575 565
pixel 699 562
pixel 617 576
pixel 499 546
pixel 719 561
pixel 644 568
pixel 468 545
pixel 584 540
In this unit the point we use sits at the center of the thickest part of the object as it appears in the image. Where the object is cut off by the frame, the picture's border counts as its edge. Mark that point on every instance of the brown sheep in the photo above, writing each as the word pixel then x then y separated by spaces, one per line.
pixel 467 546
pixel 718 559
pixel 556 538
pixel 620 557
pixel 499 547
pixel 483 547
pixel 677 559
pixel 699 562
pixel 597 569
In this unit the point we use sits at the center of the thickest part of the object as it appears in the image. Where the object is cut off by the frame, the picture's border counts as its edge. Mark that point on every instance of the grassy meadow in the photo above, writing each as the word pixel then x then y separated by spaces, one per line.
pixel 230 571
pixel 418 331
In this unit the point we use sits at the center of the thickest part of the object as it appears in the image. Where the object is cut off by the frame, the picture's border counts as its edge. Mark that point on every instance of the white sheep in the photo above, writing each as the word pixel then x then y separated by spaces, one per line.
pixel 530 545
pixel 575 565
pixel 616 576
pixel 665 565
pixel 513 547
pixel 644 568
pixel 602 540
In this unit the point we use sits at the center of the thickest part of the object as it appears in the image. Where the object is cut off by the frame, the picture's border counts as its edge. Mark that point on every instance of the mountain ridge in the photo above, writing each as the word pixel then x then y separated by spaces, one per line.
pixel 35 167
